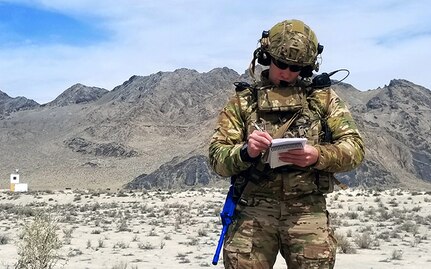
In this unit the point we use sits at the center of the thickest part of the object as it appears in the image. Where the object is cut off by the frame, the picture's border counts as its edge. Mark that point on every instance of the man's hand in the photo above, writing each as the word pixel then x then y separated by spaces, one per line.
pixel 257 142
pixel 300 157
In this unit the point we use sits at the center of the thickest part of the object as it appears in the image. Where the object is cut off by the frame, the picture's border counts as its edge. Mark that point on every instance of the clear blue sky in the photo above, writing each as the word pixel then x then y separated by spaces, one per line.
pixel 47 46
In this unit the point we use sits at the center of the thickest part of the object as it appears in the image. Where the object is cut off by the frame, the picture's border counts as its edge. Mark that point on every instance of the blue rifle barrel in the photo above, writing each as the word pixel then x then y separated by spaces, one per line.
pixel 220 244
pixel 226 218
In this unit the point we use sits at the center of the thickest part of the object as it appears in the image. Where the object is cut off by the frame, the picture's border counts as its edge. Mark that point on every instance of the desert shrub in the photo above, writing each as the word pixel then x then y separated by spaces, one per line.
pixel 100 243
pixel 146 246
pixel 67 236
pixel 185 260
pixel 397 254
pixel 152 232
pixel 385 235
pixel 202 232
pixel 393 202
pixel 193 241
pixel 370 212
pixel 123 226
pixel 364 240
pixel 4 239
pixel 19 210
pixel 410 227
pixel 344 245
pixel 352 215
pixel 121 245
pixel 416 209
pixel 39 245
pixel 121 265
pixel 96 231
pixel 74 252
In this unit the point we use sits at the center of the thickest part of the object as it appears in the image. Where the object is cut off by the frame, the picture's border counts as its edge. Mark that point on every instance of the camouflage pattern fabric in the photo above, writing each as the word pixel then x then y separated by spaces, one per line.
pixel 236 120
pixel 293 42
pixel 298 228
pixel 286 209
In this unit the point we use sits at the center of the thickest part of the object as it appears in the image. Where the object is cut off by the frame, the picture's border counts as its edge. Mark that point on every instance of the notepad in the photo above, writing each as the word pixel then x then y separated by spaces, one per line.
pixel 281 145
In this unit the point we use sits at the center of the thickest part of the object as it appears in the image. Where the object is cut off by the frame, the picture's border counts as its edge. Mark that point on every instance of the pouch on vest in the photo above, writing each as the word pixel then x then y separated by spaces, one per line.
pixel 325 181
pixel 280 99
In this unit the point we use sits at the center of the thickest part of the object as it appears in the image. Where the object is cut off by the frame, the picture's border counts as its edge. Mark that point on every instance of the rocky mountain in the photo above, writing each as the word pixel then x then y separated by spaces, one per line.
pixel 176 174
pixel 153 131
pixel 396 124
pixel 78 94
pixel 130 130
pixel 9 104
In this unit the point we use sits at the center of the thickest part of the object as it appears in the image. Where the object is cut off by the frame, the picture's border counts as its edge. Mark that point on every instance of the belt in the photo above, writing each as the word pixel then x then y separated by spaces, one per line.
pixel 291 168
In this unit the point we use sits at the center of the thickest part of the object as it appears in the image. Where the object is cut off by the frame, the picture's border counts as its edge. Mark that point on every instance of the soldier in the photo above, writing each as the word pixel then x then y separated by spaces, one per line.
pixel 284 209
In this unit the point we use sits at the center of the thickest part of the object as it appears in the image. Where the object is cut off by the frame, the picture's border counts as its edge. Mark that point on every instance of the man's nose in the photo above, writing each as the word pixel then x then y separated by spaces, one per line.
pixel 286 75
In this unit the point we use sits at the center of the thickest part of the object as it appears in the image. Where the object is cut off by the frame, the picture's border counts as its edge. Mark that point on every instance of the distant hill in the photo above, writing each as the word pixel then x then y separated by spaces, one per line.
pixel 78 94
pixel 9 104
pixel 153 132
pixel 174 175
pixel 128 131
pixel 396 123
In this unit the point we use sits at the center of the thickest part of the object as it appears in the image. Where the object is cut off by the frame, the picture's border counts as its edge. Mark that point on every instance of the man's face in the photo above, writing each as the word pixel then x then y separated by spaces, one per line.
pixel 277 74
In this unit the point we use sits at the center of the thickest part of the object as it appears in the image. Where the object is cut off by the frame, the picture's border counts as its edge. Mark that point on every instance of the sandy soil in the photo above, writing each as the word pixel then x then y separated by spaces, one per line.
pixel 166 229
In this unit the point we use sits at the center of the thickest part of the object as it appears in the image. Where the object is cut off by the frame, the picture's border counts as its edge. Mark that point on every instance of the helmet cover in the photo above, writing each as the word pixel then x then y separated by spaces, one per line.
pixel 292 42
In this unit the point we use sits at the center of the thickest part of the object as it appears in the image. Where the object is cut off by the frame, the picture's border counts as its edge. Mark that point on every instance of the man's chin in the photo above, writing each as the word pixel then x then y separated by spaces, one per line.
pixel 284 83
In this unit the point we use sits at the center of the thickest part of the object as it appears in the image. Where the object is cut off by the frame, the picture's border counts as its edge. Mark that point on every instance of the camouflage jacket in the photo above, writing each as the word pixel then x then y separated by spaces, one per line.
pixel 343 153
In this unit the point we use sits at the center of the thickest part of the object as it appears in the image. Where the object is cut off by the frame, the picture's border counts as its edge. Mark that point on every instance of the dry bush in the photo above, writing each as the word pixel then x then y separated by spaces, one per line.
pixel 146 246
pixel 397 255
pixel 121 265
pixel 344 245
pixel 100 243
pixel 39 244
pixel 410 227
pixel 364 240
pixel 4 239
pixel 202 232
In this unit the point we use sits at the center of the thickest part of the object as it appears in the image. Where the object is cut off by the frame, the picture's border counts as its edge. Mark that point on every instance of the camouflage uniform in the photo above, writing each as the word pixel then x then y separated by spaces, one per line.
pixel 285 208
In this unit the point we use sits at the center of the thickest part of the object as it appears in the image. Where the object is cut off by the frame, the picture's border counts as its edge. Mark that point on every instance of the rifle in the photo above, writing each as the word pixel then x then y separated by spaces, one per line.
pixel 226 219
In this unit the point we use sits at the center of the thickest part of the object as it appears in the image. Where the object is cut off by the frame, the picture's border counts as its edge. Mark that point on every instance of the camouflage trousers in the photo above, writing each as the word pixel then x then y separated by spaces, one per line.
pixel 298 228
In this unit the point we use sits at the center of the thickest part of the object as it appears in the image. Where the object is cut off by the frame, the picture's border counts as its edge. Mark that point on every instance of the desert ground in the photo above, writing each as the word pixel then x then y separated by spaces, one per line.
pixel 180 229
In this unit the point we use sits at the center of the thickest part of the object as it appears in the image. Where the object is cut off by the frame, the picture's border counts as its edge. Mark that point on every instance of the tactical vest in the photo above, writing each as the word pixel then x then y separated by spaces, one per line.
pixel 270 107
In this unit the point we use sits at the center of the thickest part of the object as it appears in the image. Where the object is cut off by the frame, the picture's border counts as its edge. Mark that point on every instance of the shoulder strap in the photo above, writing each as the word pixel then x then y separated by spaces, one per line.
pixel 243 89
pixel 328 100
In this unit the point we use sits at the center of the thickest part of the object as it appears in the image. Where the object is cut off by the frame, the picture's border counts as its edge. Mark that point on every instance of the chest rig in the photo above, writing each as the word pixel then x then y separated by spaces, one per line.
pixel 273 107
pixel 291 111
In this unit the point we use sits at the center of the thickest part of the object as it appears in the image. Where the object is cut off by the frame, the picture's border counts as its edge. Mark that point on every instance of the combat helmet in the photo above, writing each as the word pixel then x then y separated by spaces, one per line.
pixel 292 42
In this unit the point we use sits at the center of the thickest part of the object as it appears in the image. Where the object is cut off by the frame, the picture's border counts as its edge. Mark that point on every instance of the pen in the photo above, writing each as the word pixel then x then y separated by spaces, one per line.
pixel 257 127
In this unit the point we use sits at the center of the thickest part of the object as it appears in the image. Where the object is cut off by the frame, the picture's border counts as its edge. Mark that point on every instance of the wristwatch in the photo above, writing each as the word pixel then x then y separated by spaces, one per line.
pixel 243 153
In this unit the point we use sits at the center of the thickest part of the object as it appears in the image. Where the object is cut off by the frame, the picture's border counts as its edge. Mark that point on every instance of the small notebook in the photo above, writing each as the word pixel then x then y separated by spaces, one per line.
pixel 281 145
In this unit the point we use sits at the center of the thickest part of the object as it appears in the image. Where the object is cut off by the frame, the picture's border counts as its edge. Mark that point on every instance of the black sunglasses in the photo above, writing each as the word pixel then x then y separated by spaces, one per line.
pixel 284 66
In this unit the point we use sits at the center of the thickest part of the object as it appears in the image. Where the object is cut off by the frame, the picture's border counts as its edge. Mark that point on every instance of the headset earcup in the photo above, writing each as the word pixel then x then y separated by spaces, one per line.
pixel 262 57
pixel 306 72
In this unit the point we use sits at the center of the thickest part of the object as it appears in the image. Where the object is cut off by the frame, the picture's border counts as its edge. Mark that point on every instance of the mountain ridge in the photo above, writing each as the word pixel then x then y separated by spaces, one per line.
pixel 130 132
pixel 9 105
